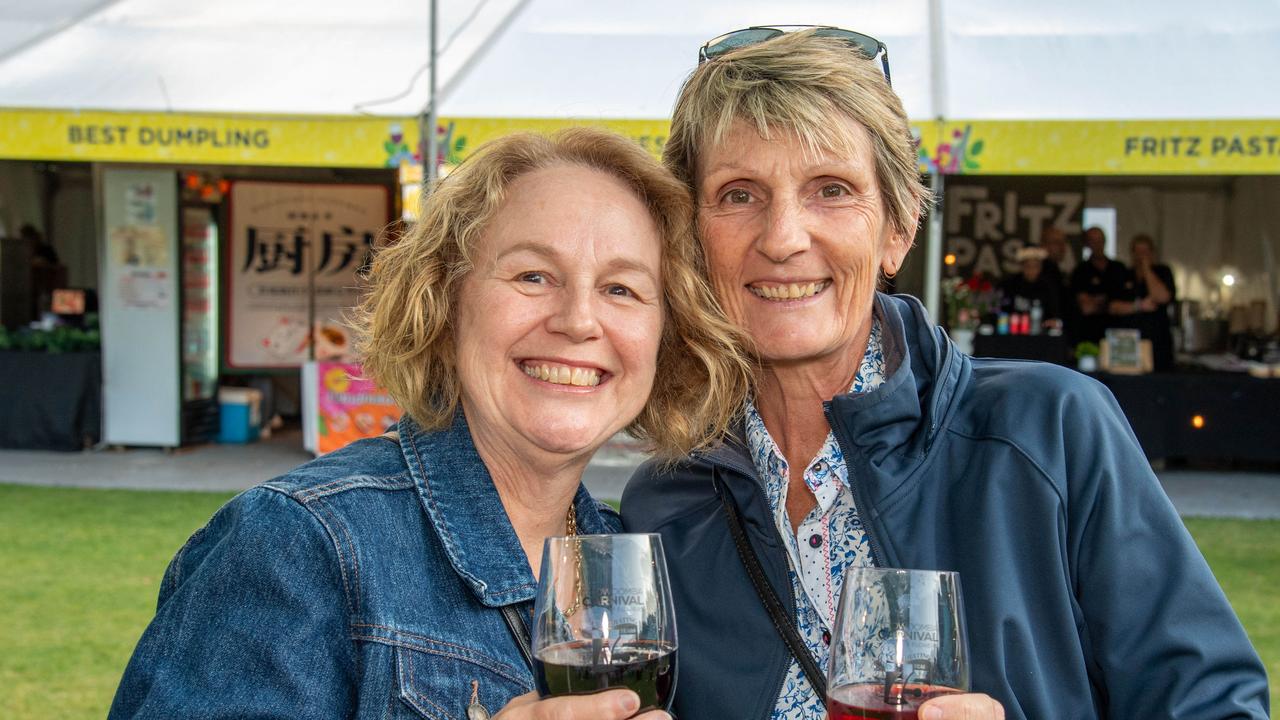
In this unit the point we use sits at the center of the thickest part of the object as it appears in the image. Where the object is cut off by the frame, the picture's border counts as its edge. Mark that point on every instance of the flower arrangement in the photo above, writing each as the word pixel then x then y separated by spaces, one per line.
pixel 968 301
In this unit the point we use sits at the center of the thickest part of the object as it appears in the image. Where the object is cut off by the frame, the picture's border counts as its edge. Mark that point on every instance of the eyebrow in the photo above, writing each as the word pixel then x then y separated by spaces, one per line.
pixel 824 166
pixel 620 263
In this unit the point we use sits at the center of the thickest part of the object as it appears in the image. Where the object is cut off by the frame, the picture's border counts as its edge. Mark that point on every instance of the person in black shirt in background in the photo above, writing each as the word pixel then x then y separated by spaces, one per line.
pixel 1141 299
pixel 1060 261
pixel 1035 284
pixel 1091 285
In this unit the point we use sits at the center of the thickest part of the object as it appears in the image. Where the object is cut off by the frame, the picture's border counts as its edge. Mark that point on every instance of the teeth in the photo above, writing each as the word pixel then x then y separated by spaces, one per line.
pixel 563 375
pixel 793 291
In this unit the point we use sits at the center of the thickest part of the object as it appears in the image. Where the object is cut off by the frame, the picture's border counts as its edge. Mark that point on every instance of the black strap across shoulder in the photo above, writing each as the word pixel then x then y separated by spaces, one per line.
pixel 784 624
pixel 520 630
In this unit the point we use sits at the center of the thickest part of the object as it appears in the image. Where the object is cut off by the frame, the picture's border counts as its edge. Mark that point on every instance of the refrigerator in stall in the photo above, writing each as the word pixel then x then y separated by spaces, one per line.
pixel 199 324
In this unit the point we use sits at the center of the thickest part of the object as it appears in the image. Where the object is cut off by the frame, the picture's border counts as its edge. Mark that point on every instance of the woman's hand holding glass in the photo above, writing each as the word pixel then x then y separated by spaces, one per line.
pixel 610 705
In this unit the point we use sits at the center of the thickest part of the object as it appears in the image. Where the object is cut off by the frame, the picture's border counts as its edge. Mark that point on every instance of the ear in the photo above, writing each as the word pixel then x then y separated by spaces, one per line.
pixel 896 246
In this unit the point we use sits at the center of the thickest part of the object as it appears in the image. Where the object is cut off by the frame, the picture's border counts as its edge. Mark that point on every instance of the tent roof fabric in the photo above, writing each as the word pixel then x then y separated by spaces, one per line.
pixel 1001 59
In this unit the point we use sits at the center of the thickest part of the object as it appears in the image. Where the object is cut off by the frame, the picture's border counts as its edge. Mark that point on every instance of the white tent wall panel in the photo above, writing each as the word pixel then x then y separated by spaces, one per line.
pixel 1255 242
pixel 628 60
pixel 1090 59
pixel 1003 59
pixel 1204 228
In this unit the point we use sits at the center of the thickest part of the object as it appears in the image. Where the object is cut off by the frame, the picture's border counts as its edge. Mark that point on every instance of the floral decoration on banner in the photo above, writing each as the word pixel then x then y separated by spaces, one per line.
pixel 450 146
pixel 969 300
pixel 954 157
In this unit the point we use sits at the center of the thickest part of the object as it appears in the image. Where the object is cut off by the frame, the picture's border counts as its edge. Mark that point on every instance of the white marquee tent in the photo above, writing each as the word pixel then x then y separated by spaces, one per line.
pixel 999 59
pixel 1161 64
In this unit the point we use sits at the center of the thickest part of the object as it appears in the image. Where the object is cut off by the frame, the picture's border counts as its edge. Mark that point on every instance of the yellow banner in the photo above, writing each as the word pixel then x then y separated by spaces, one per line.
pixel 459 136
pixel 320 141
pixel 1128 147
pixel 204 139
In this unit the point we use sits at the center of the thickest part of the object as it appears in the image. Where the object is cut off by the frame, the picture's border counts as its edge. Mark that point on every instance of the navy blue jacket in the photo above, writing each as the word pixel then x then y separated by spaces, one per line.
pixel 1084 595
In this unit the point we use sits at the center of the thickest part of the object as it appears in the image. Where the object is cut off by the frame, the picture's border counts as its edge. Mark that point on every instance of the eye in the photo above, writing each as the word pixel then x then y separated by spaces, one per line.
pixel 532 277
pixel 833 190
pixel 737 196
pixel 619 291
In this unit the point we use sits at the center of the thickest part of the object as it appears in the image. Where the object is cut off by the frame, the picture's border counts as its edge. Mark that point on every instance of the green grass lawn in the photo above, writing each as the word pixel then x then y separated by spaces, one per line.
pixel 1245 556
pixel 79 571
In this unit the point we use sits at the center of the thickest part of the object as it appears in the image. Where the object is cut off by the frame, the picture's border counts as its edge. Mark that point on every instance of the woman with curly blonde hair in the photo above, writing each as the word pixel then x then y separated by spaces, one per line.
pixel 550 296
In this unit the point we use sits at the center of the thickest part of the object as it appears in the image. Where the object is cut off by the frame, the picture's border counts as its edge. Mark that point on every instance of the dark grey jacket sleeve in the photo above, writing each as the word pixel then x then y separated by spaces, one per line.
pixel 1164 640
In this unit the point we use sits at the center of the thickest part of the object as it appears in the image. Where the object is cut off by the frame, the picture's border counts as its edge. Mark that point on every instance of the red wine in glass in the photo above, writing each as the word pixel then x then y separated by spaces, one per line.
pixel 578 668
pixel 899 641
pixel 603 618
pixel 869 702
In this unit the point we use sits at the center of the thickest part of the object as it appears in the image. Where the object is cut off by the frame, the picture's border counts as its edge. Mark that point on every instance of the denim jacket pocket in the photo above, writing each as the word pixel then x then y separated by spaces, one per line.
pixel 435 678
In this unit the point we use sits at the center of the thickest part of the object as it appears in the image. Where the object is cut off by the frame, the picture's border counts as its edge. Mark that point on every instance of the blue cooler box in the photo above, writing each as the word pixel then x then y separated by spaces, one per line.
pixel 239 414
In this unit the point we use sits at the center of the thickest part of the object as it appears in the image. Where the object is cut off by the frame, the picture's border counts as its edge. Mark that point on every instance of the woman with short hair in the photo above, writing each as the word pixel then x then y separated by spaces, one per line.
pixel 869 439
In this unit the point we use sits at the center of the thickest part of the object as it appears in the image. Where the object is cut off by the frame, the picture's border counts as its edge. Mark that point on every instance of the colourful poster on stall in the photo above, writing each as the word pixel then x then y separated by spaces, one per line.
pixel 349 407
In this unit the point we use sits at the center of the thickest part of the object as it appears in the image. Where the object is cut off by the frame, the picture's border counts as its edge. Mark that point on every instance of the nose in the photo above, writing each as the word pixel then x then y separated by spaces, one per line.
pixel 575 315
pixel 784 233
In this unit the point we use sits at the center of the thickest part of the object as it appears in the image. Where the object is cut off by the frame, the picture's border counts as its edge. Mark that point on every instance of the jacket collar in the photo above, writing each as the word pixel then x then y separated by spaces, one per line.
pixel 893 426
pixel 462 503
pixel 905 414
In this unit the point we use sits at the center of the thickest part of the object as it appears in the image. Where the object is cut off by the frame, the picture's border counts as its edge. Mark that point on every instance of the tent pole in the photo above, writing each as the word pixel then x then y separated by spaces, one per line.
pixel 938 96
pixel 429 167
pixel 933 253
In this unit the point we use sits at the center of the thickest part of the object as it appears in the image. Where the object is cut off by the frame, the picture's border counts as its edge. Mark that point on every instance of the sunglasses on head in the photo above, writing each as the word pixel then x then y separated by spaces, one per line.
pixel 867 46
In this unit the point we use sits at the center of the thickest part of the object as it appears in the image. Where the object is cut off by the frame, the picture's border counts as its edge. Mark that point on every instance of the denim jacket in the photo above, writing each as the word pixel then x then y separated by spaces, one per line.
pixel 366 583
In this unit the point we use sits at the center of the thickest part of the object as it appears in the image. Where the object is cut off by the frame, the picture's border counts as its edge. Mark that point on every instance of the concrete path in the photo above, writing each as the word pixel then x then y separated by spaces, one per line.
pixel 231 468
pixel 226 468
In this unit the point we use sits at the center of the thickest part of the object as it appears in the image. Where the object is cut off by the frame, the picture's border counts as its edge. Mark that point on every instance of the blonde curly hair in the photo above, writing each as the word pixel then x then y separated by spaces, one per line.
pixel 406 319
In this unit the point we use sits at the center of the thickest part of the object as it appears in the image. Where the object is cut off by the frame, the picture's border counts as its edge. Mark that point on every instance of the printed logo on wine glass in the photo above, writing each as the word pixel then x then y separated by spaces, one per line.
pixel 603 618
pixel 899 640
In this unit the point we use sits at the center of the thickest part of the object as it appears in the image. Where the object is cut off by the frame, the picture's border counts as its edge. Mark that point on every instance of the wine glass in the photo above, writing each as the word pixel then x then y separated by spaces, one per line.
pixel 899 640
pixel 603 618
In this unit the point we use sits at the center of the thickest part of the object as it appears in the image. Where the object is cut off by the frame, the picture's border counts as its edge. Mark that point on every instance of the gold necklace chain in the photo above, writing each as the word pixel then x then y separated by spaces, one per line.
pixel 571 530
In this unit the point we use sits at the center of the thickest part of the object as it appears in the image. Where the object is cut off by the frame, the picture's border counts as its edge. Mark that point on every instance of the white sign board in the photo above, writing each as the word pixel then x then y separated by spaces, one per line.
pixel 139 286
pixel 291 243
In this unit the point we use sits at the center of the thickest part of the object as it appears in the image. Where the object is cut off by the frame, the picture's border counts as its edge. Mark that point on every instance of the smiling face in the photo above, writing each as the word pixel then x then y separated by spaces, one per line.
pixel 794 243
pixel 559 322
